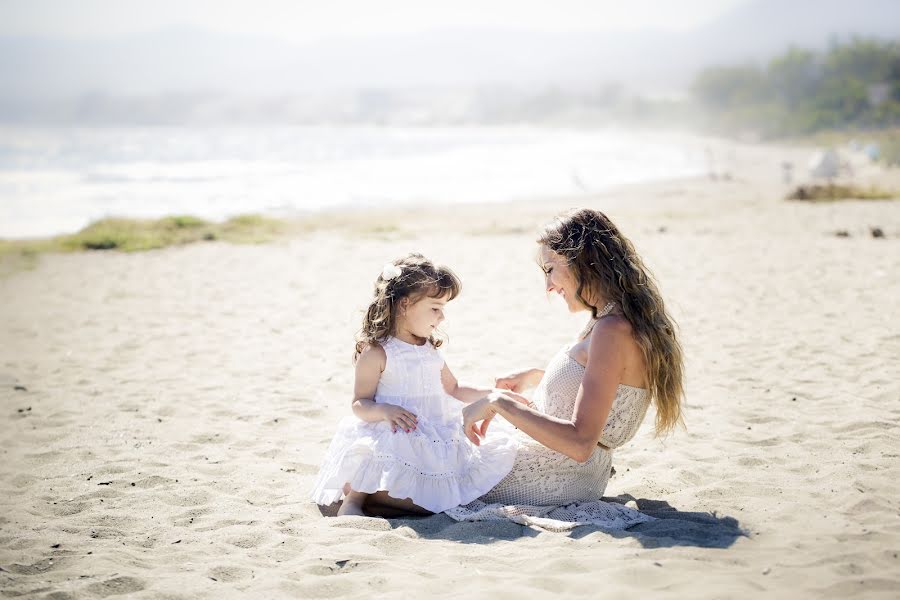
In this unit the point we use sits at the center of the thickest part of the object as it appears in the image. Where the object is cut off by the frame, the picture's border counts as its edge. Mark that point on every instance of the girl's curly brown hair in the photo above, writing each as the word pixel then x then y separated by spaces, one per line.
pixel 419 277
pixel 607 268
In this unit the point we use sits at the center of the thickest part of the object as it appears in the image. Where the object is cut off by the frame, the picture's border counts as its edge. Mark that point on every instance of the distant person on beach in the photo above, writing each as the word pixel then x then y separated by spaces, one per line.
pixel 594 393
pixel 404 448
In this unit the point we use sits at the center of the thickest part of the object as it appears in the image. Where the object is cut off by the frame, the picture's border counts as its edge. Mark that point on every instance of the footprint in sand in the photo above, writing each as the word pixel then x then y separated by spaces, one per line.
pixel 229 573
pixel 189 516
pixel 332 567
pixel 112 470
pixel 209 438
pixel 152 481
pixel 301 468
pixel 116 586
pixel 38 568
pixel 23 481
pixel 310 413
pixel 44 457
pixel 246 542
pixel 67 509
pixel 187 500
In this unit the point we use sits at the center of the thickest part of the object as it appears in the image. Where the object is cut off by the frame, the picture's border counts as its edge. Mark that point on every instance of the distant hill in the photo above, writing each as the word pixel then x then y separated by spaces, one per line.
pixel 182 62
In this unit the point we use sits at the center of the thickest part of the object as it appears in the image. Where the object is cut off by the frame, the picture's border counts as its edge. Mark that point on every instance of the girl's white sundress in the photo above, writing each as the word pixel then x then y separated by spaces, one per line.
pixel 435 465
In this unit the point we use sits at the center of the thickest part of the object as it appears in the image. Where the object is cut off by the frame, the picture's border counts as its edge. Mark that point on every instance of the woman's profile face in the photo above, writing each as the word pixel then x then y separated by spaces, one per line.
pixel 558 277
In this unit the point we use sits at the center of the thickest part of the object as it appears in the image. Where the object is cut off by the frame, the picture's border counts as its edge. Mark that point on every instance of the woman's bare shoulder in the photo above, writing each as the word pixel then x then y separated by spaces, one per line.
pixel 612 329
pixel 615 341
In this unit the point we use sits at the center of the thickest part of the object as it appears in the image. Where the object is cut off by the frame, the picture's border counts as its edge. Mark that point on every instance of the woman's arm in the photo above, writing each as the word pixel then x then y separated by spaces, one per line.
pixel 576 438
pixel 369 367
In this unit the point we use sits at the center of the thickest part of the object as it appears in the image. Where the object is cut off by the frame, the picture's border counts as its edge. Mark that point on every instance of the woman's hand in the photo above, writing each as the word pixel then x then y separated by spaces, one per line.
pixel 515 397
pixel 398 417
pixel 519 381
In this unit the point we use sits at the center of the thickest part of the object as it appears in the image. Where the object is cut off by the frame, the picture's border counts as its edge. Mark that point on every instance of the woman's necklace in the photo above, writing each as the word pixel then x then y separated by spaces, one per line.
pixel 606 310
pixel 603 312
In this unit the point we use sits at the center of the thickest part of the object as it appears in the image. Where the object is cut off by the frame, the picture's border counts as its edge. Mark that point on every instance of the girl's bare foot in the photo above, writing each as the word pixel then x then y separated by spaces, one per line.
pixel 349 509
pixel 352 505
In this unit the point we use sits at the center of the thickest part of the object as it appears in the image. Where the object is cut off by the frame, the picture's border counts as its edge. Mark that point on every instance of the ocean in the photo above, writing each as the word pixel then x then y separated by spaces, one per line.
pixel 58 180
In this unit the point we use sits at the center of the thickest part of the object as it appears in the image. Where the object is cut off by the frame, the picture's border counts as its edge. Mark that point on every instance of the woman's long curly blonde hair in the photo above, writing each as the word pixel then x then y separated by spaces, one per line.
pixel 418 278
pixel 606 266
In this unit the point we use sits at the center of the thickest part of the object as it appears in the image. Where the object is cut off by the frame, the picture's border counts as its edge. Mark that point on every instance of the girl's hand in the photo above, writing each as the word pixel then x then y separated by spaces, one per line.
pixel 477 412
pixel 398 417
pixel 518 381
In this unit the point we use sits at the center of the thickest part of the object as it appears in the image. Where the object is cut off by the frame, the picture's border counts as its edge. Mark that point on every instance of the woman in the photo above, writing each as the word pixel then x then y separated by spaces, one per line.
pixel 594 393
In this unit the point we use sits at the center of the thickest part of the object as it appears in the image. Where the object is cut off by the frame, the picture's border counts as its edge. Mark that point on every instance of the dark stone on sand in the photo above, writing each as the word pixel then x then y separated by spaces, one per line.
pixel 20 388
pixel 842 233
pixel 877 232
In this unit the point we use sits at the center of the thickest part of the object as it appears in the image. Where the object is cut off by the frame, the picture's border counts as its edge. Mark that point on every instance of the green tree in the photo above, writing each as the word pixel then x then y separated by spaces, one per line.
pixel 794 77
pixel 853 84
pixel 729 87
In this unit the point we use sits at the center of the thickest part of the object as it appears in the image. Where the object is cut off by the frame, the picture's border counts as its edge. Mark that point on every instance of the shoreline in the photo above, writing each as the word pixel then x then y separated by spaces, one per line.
pixel 579 178
pixel 728 159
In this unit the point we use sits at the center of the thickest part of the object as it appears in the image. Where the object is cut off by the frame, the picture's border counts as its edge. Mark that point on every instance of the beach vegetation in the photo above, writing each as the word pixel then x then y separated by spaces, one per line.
pixel 853 85
pixel 131 235
pixel 832 192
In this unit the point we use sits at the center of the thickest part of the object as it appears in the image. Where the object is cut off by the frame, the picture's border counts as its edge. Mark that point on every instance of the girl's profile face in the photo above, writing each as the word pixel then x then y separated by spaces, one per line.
pixel 558 277
pixel 422 317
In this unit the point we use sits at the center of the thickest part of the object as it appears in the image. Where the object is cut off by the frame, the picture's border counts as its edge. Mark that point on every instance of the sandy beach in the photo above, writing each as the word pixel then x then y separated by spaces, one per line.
pixel 164 413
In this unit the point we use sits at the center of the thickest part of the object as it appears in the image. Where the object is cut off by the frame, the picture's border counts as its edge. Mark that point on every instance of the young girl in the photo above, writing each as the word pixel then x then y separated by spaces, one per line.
pixel 404 448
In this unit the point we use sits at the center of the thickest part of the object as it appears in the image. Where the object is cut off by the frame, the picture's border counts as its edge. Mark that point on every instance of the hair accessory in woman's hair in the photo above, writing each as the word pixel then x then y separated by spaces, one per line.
pixel 390 271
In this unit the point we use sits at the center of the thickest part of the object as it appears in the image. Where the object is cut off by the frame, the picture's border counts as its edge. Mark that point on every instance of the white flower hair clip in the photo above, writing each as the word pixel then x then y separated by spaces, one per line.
pixel 390 271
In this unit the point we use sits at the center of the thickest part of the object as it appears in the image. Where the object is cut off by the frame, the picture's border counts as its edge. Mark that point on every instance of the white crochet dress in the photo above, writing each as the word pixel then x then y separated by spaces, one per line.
pixel 547 488
pixel 435 465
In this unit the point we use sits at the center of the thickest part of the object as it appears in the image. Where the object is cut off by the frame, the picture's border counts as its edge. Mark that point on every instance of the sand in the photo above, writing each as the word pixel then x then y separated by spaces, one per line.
pixel 164 413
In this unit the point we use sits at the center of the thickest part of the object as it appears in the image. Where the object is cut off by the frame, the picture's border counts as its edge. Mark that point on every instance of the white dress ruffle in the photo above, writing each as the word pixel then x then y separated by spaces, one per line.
pixel 435 465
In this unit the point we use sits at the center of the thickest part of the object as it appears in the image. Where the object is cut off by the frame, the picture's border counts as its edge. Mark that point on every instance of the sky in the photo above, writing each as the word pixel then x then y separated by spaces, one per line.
pixel 305 20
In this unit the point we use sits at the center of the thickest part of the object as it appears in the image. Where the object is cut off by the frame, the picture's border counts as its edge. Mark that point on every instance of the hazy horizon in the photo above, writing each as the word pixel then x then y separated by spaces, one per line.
pixel 293 62
pixel 299 21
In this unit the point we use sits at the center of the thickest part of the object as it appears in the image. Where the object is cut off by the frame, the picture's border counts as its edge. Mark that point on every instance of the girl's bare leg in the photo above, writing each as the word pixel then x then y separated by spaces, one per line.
pixel 353 504
pixel 380 504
